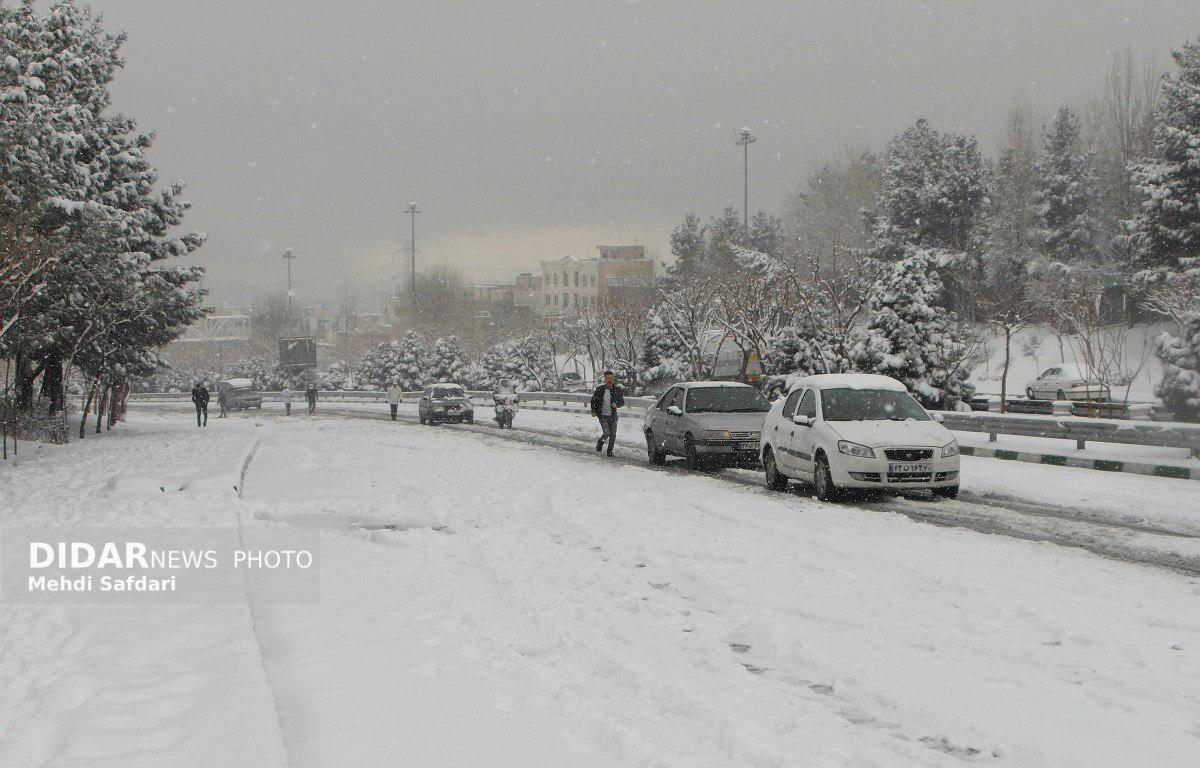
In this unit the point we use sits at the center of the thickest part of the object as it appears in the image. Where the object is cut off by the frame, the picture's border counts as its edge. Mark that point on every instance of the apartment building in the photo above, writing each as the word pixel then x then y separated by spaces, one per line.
pixel 570 285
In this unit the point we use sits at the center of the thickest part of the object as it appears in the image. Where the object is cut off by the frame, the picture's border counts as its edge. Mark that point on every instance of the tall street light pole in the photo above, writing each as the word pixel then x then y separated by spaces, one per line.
pixel 289 257
pixel 745 139
pixel 412 211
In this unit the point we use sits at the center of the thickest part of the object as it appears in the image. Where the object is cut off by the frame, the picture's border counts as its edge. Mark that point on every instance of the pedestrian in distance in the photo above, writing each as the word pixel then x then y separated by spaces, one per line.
pixel 200 399
pixel 311 395
pixel 222 402
pixel 287 395
pixel 393 400
pixel 607 398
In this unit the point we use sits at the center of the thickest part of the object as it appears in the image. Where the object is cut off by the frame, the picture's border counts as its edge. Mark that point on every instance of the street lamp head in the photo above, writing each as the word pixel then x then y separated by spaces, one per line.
pixel 745 137
pixel 412 208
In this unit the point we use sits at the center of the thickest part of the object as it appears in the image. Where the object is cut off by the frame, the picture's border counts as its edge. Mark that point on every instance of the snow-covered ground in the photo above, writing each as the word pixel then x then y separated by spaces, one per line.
pixel 490 602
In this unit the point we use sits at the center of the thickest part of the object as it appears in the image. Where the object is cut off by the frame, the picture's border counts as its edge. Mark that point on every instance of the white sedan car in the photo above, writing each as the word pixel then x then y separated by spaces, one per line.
pixel 1067 382
pixel 840 431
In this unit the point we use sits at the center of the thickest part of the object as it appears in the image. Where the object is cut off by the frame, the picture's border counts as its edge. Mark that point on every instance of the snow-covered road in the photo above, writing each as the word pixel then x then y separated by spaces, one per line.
pixel 494 602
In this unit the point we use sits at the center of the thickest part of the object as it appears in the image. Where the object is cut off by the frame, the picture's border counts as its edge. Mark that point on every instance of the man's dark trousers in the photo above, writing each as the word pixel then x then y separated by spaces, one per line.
pixel 201 408
pixel 608 424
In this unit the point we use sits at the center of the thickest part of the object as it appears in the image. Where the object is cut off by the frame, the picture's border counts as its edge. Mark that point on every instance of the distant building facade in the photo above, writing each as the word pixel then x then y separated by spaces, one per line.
pixel 570 285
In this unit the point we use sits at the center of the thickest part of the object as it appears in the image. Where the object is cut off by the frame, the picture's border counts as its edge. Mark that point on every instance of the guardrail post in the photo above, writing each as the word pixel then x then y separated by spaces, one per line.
pixel 1080 444
pixel 991 437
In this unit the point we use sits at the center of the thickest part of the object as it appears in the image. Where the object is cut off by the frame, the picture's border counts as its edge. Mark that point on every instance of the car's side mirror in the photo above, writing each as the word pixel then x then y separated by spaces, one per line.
pixel 802 420
pixel 674 410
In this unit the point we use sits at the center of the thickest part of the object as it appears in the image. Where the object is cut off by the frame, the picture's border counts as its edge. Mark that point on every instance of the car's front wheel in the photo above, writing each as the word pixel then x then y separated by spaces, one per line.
pixel 689 452
pixel 656 456
pixel 1029 393
pixel 1060 395
pixel 776 480
pixel 823 481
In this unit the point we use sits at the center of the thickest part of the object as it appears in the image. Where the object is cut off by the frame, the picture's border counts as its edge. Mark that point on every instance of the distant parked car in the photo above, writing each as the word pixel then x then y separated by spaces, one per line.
pixel 707 423
pixel 573 382
pixel 839 431
pixel 239 394
pixel 1067 382
pixel 445 402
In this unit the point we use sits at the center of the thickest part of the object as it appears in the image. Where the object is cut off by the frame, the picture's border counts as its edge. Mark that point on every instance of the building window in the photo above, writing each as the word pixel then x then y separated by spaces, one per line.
pixel 547 298
pixel 576 279
pixel 556 299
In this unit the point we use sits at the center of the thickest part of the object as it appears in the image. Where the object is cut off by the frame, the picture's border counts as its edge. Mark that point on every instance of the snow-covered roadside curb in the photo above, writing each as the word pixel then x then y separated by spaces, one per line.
pixel 1104 465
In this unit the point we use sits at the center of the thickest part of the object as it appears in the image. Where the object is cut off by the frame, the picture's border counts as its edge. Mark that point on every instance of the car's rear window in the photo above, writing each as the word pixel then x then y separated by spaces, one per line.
pixel 845 404
pixel 446 392
pixel 726 400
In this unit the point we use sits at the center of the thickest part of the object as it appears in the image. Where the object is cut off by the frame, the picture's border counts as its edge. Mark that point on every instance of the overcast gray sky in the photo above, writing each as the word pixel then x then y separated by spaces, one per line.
pixel 526 130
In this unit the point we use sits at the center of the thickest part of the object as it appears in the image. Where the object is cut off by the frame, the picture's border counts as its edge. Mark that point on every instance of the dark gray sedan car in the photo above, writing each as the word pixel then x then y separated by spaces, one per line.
pixel 709 423
pixel 445 402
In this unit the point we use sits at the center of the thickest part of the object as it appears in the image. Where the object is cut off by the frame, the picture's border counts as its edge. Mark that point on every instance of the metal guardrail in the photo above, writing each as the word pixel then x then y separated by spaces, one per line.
pixel 1062 427
pixel 1134 409
pixel 1079 429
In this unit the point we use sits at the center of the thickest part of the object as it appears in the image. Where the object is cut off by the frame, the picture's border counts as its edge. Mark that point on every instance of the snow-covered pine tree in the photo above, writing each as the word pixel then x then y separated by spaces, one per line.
pixel 1180 356
pixel 1065 196
pixel 399 362
pixel 935 186
pixel 664 358
pixel 78 176
pixel 687 246
pixel 447 360
pixel 1165 238
pixel 908 337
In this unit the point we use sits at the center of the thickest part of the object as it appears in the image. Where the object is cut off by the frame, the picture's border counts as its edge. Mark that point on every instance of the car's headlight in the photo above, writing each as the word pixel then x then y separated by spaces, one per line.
pixel 950 449
pixel 717 434
pixel 854 449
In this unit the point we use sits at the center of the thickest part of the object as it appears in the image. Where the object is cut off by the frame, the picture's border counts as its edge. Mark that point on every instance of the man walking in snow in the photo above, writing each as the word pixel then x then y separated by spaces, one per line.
pixel 607 398
pixel 393 400
pixel 286 396
pixel 200 398
pixel 311 395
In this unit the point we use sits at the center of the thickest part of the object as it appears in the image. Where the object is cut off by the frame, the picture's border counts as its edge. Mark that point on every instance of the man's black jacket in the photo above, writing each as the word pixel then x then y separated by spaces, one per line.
pixel 618 398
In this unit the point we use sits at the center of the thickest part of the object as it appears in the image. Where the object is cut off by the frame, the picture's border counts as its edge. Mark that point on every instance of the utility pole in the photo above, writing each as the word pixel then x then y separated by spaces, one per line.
pixel 745 139
pixel 289 257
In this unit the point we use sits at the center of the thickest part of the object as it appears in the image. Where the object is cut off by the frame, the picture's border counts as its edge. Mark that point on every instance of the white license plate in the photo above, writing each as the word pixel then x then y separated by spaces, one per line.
pixel 747 446
pixel 909 468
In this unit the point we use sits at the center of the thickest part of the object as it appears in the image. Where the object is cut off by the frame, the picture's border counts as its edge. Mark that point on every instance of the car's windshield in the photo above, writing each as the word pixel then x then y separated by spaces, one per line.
pixel 726 400
pixel 443 393
pixel 845 404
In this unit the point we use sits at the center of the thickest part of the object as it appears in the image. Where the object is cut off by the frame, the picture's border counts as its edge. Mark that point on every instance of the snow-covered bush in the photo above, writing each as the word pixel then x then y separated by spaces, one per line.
pixel 528 363
pixel 1180 356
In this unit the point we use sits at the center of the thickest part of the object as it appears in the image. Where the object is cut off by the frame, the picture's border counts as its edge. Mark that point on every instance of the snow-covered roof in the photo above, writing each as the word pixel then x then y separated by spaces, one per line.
pixel 847 381
pixel 240 383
